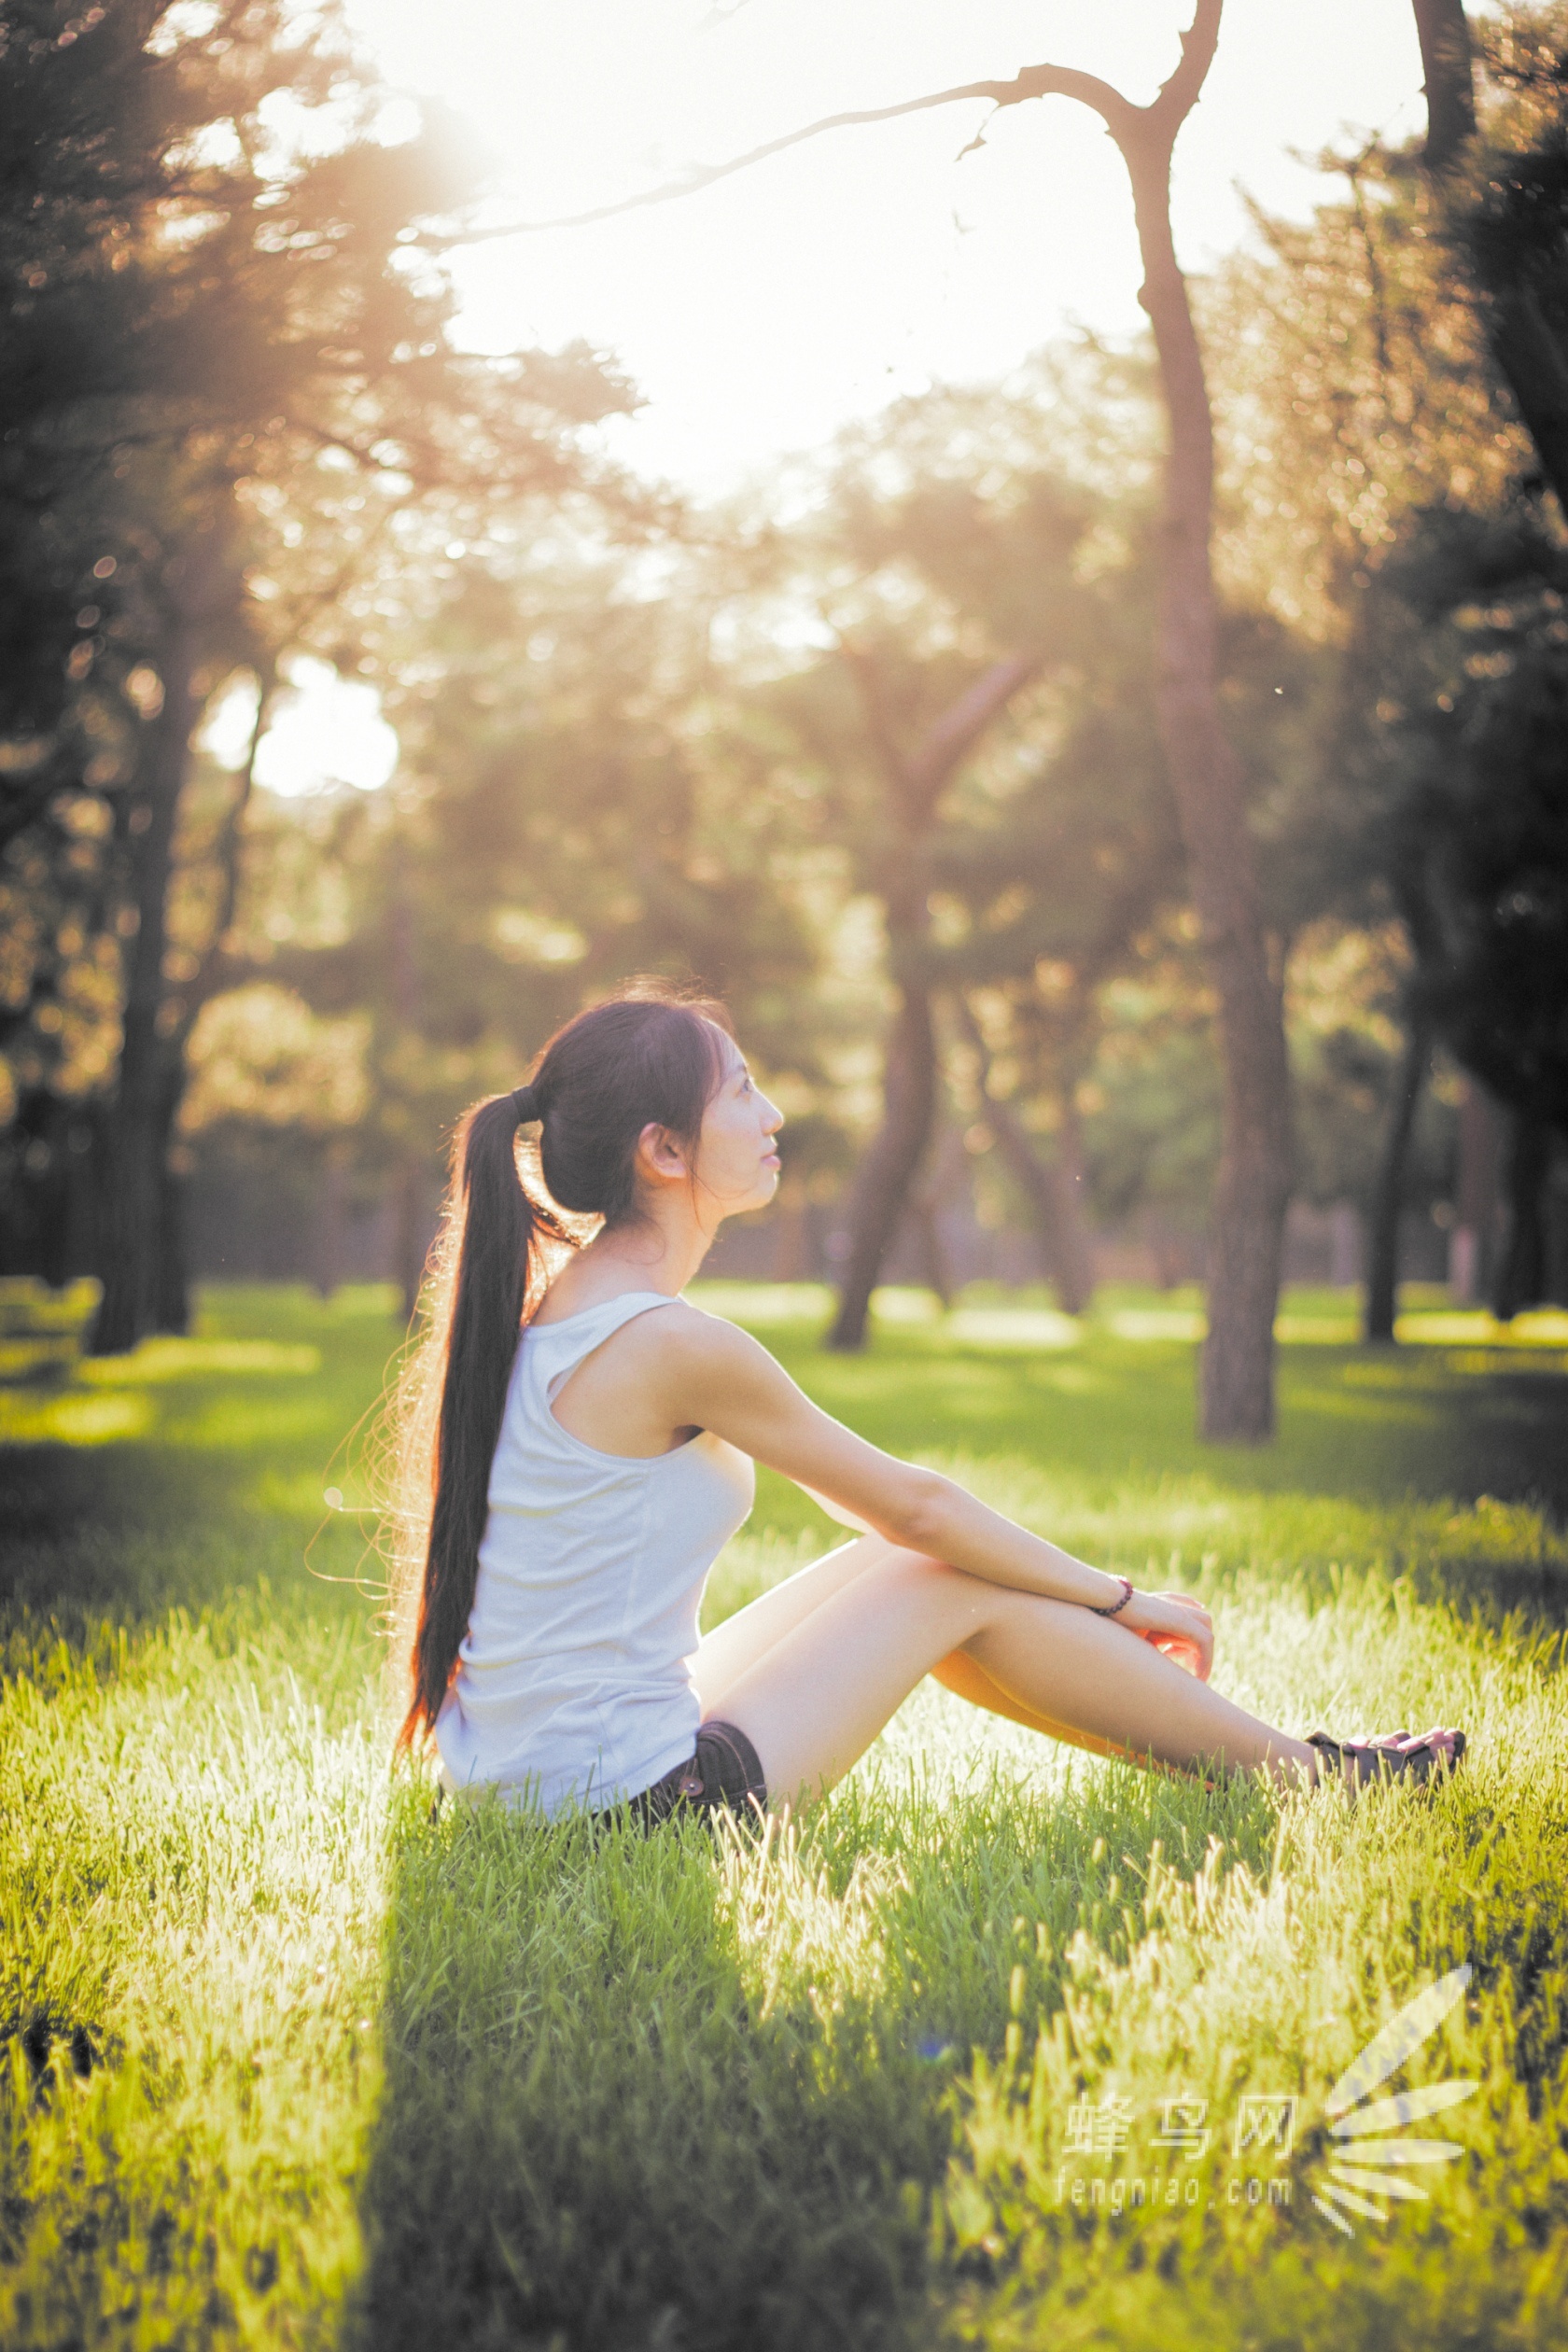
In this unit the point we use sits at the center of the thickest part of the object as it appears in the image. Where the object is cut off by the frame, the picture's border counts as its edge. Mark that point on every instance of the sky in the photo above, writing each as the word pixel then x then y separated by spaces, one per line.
pixel 758 316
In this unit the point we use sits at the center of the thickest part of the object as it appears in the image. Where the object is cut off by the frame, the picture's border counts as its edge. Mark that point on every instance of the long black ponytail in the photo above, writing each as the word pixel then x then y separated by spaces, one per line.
pixel 648 1056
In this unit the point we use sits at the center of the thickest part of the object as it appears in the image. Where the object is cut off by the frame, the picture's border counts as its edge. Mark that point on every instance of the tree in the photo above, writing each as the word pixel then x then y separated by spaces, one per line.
pixel 1378 483
pixel 1253 1181
pixel 916 775
pixel 946 583
pixel 1050 1187
pixel 216 334
pixel 1399 322
pixel 574 806
pixel 1472 829
pixel 1503 198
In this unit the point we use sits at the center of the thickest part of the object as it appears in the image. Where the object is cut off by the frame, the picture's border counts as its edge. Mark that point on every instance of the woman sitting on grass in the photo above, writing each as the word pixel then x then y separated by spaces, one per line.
pixel 593 1452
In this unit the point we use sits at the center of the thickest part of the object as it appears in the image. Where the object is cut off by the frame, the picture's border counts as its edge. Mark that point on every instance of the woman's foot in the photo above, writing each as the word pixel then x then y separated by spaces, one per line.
pixel 1366 1757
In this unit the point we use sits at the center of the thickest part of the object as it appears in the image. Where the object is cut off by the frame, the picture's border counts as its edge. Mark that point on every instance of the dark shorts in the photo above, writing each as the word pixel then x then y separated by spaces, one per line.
pixel 724 1774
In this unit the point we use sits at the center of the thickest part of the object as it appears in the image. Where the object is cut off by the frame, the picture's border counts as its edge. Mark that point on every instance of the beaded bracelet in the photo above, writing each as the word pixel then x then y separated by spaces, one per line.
pixel 1117 1606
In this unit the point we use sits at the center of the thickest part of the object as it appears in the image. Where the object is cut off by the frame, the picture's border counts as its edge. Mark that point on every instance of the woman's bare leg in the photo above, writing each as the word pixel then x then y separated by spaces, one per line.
pixel 723 1655
pixel 813 1700
pixel 752 1632
pixel 961 1674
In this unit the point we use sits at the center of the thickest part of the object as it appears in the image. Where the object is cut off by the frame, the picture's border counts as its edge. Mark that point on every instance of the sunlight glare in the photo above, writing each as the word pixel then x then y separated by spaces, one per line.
pixel 324 730
pixel 760 316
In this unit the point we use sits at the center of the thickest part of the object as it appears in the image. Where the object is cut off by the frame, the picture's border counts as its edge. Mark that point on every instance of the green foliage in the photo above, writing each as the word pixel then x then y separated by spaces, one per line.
pixel 574 785
pixel 224 395
pixel 1378 494
pixel 287 2060
pixel 957 534
pixel 1468 807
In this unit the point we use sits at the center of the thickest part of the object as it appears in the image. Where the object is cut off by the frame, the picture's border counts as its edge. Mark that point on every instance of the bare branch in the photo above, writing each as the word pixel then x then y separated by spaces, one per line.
pixel 1159 121
pixel 1180 94
pixel 1032 81
pixel 226 848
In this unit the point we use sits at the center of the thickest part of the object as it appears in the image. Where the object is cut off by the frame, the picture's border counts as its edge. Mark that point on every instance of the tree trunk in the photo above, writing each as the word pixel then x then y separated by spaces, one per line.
pixel 1051 1188
pixel 1555 1209
pixel 1051 1193
pixel 1072 1192
pixel 1522 1271
pixel 1450 95
pixel 409 1240
pixel 1166 1247
pixel 81 1195
pixel 172 1306
pixel 1531 362
pixel 946 1178
pixel 1473 1243
pixel 791 1244
pixel 139 1124
pixel 915 782
pixel 933 1253
pixel 882 1185
pixel 1255 1174
pixel 1388 1197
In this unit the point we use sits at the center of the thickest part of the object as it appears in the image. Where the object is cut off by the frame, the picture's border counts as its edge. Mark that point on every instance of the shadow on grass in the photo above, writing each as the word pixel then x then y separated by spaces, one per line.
pixel 118 1535
pixel 593 2133
pixel 639 2092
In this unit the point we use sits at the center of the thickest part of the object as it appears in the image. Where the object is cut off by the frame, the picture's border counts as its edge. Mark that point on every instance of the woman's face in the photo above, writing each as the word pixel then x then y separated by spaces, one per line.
pixel 738 1167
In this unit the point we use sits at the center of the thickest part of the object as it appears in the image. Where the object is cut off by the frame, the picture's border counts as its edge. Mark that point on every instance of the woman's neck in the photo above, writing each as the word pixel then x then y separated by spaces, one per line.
pixel 655 1253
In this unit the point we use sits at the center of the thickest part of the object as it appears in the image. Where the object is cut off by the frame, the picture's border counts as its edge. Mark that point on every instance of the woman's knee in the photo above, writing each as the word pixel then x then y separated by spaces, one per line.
pixel 917 1578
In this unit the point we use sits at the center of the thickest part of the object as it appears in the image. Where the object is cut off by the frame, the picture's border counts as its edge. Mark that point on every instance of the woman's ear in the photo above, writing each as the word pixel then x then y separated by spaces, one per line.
pixel 660 1159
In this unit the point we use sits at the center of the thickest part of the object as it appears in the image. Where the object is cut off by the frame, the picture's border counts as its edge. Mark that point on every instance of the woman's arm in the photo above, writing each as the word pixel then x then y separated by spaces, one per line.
pixel 720 1378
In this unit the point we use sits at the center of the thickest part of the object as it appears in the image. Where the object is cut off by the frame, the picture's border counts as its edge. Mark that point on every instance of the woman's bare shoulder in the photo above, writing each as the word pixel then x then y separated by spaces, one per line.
pixel 694 1328
pixel 690 1339
pixel 712 1363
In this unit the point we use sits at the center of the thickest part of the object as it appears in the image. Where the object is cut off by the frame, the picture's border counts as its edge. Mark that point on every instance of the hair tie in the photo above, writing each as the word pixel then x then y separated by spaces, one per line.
pixel 525 1102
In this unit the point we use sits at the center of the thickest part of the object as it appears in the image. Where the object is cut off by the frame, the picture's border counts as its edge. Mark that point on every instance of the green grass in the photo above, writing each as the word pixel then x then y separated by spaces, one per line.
pixel 284 2060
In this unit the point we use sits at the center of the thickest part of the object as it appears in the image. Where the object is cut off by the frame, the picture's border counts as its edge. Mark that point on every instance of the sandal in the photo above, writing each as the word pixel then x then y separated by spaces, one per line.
pixel 1390 1756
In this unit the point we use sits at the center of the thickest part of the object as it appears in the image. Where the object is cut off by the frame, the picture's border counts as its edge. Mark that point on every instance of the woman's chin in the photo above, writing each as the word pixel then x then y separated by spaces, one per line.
pixel 742 1204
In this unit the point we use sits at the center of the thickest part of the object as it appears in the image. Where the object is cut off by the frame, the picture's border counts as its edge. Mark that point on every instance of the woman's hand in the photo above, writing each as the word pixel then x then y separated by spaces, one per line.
pixel 1175 1623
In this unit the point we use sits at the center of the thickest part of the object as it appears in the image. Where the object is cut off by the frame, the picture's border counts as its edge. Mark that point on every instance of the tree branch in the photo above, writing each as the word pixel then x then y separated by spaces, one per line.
pixel 209 970
pixel 951 738
pixel 1047 1183
pixel 1180 93
pixel 917 777
pixel 1177 94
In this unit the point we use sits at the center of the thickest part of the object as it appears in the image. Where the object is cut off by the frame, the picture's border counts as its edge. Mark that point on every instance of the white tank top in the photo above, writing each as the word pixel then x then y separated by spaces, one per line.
pixel 573 1682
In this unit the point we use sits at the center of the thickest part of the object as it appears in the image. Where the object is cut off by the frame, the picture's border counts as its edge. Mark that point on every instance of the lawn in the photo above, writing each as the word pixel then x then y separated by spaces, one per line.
pixel 998 2048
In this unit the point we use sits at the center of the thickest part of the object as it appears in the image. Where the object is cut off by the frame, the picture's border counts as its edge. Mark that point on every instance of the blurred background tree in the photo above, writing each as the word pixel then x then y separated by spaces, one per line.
pixel 227 382
pixel 1387 373
pixel 940 586
pixel 572 808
